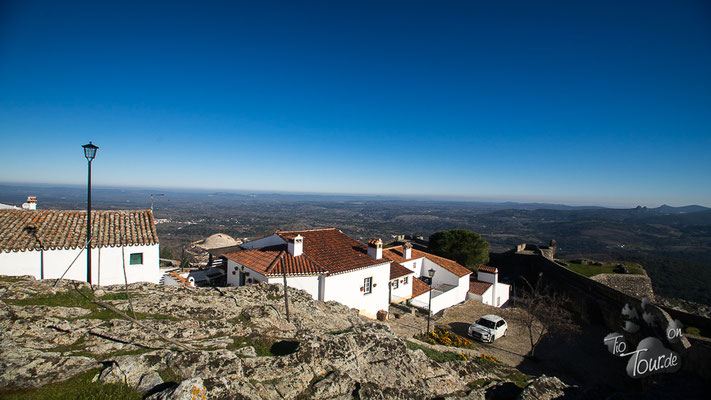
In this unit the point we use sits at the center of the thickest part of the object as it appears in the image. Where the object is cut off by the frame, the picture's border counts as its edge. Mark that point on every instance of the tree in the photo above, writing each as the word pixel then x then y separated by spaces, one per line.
pixel 461 245
pixel 544 314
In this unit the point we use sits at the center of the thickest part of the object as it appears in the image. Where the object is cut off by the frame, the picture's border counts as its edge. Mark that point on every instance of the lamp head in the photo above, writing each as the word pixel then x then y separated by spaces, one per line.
pixel 431 272
pixel 90 151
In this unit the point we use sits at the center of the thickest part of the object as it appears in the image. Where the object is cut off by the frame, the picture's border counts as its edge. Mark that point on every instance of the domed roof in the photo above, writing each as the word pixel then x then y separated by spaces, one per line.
pixel 219 240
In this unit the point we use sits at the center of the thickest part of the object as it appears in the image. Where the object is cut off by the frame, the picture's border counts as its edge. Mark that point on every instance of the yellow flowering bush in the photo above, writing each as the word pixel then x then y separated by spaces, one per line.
pixel 446 338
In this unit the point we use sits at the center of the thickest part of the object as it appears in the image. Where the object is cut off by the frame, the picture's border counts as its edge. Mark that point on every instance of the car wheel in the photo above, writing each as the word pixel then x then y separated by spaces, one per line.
pixel 506 332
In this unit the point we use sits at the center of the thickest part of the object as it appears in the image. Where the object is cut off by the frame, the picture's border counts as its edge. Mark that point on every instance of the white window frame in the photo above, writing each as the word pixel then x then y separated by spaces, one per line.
pixel 368 285
pixel 396 283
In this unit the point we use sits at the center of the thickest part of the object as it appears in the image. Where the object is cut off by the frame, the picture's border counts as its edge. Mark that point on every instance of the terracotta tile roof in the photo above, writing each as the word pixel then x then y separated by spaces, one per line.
pixel 176 275
pixel 396 254
pixel 486 268
pixel 332 250
pixel 375 242
pixel 271 261
pixel 66 229
pixel 397 270
pixel 479 287
pixel 419 287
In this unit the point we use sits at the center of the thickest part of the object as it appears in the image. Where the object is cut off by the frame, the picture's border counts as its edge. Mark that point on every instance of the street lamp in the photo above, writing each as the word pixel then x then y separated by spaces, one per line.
pixel 89 153
pixel 430 273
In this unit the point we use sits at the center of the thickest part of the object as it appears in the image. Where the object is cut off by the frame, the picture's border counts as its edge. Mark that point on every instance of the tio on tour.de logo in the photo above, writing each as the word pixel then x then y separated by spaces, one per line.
pixel 650 356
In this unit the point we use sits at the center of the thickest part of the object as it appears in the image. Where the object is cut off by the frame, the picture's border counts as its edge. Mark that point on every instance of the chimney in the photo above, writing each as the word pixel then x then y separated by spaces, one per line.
pixel 407 250
pixel 375 248
pixel 295 246
pixel 31 203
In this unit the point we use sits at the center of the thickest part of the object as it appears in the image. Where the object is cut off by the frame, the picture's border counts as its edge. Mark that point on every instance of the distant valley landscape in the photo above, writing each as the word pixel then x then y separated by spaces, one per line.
pixel 671 243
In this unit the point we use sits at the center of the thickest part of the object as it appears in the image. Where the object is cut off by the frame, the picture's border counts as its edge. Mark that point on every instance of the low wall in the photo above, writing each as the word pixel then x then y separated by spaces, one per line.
pixel 439 302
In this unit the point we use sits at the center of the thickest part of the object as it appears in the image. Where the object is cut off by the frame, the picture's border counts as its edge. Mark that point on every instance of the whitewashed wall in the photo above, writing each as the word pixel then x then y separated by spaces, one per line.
pixel 440 300
pixel 414 265
pixel 233 279
pixel 345 289
pixel 485 298
pixel 310 284
pixel 502 291
pixel 463 288
pixel 404 290
pixel 107 264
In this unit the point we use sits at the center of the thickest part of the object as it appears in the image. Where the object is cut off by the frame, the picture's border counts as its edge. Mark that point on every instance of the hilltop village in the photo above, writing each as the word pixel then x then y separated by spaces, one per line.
pixel 397 298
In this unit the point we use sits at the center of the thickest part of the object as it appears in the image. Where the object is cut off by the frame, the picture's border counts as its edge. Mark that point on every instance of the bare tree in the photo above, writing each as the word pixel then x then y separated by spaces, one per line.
pixel 545 313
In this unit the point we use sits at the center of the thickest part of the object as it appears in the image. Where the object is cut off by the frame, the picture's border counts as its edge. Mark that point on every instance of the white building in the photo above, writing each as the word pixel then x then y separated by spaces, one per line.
pixel 487 289
pixel 326 263
pixel 329 265
pixel 449 284
pixel 48 243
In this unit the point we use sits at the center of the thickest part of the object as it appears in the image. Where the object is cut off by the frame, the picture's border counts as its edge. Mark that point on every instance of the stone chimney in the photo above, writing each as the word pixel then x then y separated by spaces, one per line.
pixel 31 203
pixel 295 246
pixel 375 248
pixel 407 250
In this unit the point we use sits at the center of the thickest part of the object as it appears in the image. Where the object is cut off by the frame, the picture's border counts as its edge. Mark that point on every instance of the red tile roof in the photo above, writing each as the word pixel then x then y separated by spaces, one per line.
pixel 486 268
pixel 66 229
pixel 325 251
pixel 396 254
pixel 419 287
pixel 333 250
pixel 397 270
pixel 272 260
pixel 479 287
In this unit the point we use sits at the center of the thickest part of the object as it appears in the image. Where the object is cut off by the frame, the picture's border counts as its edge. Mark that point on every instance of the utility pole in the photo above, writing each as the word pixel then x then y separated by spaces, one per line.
pixel 286 292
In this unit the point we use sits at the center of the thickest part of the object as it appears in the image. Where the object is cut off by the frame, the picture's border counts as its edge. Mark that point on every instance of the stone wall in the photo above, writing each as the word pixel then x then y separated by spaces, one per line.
pixel 639 286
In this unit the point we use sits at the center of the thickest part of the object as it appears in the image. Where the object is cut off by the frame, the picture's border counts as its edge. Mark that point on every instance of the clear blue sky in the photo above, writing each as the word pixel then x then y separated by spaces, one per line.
pixel 577 102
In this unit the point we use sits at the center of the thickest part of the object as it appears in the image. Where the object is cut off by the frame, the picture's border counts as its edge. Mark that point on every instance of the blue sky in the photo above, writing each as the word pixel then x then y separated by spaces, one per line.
pixel 576 102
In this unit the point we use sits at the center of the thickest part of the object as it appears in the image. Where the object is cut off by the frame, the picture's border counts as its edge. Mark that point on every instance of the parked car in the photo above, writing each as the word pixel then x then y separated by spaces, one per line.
pixel 488 328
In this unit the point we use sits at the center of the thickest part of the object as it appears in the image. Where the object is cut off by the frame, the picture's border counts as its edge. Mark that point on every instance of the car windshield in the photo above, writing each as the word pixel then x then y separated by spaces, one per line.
pixel 486 323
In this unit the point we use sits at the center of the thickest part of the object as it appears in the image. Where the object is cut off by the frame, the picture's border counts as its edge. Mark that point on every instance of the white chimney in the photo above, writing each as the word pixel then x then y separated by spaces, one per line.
pixel 295 246
pixel 407 251
pixel 375 248
pixel 31 203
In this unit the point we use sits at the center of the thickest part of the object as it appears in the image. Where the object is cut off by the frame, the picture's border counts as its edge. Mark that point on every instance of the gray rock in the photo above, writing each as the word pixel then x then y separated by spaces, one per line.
pixel 148 381
pixel 246 352
pixel 189 389
pixel 544 388
pixel 327 351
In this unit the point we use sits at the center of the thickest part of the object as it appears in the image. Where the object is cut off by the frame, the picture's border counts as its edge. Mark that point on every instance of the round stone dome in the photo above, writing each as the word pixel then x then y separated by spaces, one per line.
pixel 219 240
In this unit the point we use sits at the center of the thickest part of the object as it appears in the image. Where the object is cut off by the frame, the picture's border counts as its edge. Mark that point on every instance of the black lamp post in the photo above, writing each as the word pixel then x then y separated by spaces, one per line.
pixel 431 273
pixel 89 153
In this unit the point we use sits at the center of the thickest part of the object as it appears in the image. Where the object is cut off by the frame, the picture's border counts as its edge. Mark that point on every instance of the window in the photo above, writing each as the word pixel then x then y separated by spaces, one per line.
pixel 396 284
pixel 368 285
pixel 404 280
pixel 136 259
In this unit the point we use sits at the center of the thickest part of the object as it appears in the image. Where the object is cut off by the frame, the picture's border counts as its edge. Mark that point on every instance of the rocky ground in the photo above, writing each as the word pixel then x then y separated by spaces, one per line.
pixel 228 343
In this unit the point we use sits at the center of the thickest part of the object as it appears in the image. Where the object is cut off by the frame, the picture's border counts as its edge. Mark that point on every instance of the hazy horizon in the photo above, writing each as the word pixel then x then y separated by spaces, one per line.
pixel 372 196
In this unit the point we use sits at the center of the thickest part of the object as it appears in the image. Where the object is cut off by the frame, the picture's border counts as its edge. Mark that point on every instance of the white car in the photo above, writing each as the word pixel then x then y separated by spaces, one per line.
pixel 488 328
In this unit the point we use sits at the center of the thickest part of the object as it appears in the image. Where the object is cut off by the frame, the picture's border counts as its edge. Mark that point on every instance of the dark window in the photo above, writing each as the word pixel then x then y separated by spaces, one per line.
pixel 396 284
pixel 136 258
pixel 368 285
pixel 404 280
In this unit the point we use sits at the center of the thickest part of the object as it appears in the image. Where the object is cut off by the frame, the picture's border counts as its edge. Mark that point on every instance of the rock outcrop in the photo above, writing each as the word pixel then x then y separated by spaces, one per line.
pixel 223 343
